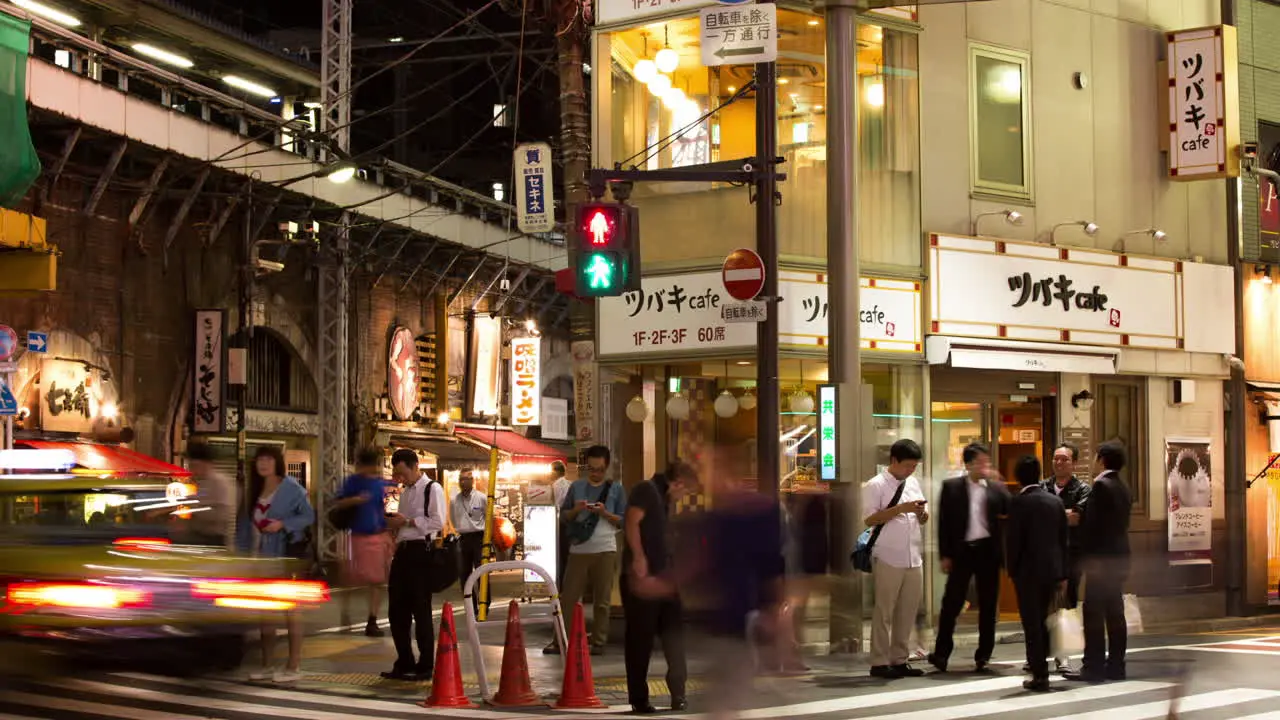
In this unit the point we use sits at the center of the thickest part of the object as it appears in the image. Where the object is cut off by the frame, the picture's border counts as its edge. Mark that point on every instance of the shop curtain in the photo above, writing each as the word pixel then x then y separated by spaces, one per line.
pixel 19 164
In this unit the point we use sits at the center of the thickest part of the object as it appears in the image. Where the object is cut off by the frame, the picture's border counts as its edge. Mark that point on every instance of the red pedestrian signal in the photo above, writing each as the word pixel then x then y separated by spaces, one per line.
pixel 607 251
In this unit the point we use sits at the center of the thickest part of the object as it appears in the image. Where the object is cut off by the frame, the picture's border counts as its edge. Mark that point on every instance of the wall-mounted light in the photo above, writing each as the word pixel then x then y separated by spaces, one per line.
pixel 1157 235
pixel 1013 217
pixel 1082 401
pixel 1264 274
pixel 1088 226
pixel 162 55
pixel 249 86
pixel 342 172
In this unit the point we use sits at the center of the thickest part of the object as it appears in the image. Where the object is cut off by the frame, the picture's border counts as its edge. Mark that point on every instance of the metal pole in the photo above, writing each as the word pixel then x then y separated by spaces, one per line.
pixel 767 246
pixel 1236 510
pixel 245 330
pixel 844 349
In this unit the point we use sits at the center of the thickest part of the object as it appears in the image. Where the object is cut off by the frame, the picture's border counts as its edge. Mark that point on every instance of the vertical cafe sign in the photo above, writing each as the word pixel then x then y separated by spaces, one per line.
pixel 526 381
pixel 207 398
pixel 1204 98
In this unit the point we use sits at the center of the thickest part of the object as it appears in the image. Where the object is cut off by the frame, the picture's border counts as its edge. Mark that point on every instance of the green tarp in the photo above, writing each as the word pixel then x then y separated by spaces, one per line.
pixel 19 164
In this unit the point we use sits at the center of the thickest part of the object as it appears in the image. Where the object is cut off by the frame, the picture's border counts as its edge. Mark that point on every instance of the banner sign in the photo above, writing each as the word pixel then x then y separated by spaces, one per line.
pixel 207 399
pixel 1190 492
pixel 827 441
pixel 526 381
pixel 1203 127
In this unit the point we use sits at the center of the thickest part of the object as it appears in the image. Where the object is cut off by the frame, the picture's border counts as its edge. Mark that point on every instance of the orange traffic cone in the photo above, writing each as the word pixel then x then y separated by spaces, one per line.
pixel 446 681
pixel 515 689
pixel 579 689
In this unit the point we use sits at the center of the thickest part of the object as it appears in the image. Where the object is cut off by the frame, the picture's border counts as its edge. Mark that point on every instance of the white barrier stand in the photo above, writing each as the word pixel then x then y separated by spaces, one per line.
pixel 473 629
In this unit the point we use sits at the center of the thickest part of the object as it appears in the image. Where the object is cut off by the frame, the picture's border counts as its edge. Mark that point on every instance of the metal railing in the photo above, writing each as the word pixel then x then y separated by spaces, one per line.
pixel 90 60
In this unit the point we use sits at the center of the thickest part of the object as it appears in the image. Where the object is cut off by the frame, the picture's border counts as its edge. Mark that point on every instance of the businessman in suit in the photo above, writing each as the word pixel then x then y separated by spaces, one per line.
pixel 1104 537
pixel 1074 493
pixel 1036 539
pixel 970 511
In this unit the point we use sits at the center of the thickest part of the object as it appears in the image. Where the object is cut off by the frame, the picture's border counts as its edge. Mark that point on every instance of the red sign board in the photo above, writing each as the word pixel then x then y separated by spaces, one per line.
pixel 743 274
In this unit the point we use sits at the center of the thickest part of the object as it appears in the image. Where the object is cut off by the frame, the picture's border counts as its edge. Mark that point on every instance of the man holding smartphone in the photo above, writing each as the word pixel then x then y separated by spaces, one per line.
pixel 591 516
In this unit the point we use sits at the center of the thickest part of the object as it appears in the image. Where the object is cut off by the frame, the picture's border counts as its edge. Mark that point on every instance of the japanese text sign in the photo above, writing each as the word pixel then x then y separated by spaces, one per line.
pixel 68 402
pixel 827 447
pixel 534 191
pixel 207 404
pixel 526 380
pixel 733 36
pixel 609 12
pixel 981 287
pixel 1190 492
pixel 889 312
pixel 1204 132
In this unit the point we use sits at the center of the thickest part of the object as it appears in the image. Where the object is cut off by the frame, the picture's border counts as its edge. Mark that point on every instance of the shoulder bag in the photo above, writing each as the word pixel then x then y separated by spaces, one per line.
pixel 861 557
pixel 582 528
pixel 443 562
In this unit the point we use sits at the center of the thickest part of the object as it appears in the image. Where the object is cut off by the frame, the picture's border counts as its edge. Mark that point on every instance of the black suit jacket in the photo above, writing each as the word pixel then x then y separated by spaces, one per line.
pixel 953 514
pixel 1104 524
pixel 1073 497
pixel 1036 537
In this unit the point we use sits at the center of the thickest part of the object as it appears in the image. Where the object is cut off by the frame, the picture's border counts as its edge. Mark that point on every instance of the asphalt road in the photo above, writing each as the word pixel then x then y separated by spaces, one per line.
pixel 1225 675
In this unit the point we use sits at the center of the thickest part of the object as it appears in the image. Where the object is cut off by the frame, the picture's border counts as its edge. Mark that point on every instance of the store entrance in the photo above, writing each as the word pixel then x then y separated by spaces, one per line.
pixel 1010 425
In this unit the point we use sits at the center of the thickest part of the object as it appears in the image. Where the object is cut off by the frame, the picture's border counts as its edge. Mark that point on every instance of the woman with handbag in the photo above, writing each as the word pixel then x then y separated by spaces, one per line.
pixel 274 522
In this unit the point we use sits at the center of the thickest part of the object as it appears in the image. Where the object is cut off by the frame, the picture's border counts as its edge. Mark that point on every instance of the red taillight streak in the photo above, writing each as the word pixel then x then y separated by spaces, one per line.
pixel 296 591
pixel 139 543
pixel 73 595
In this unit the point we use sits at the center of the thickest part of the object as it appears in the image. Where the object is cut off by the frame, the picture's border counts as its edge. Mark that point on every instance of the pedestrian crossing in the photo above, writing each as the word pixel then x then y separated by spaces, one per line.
pixel 132 696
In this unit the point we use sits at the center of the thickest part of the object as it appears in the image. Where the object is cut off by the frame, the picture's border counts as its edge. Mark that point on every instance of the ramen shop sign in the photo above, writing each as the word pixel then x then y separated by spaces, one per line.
pixel 526 381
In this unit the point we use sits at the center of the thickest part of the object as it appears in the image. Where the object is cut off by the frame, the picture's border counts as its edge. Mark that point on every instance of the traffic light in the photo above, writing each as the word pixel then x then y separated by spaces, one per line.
pixel 608 252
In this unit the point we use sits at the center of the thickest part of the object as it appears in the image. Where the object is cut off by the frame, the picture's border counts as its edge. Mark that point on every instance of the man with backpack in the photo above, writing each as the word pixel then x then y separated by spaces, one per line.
pixel 591 515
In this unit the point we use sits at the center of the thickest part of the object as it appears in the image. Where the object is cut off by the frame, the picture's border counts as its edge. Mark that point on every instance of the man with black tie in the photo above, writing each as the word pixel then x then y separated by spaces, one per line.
pixel 1104 531
pixel 969 514
pixel 1036 539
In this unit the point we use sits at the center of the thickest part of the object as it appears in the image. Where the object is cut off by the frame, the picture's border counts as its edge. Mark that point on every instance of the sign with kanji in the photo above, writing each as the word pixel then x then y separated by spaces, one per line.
pixel 526 380
pixel 534 191
pixel 739 36
pixel 827 448
pixel 889 312
pixel 1190 492
pixel 745 312
pixel 208 402
pixel 1203 126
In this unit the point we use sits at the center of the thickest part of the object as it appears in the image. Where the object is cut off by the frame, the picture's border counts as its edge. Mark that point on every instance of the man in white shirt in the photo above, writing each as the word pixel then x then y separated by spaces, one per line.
pixel 897 559
pixel 417 525
pixel 560 488
pixel 467 512
pixel 971 509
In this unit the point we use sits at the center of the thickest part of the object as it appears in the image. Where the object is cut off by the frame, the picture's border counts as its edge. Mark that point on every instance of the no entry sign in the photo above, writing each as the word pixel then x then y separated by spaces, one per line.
pixel 743 274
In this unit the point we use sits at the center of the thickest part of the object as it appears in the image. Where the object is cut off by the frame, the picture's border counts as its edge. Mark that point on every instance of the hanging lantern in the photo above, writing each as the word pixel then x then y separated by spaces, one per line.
pixel 801 402
pixel 644 71
pixel 747 401
pixel 667 60
pixel 726 405
pixel 637 411
pixel 659 85
pixel 678 407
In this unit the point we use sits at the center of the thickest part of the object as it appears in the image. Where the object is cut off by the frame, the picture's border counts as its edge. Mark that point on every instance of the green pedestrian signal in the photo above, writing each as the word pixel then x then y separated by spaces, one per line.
pixel 600 272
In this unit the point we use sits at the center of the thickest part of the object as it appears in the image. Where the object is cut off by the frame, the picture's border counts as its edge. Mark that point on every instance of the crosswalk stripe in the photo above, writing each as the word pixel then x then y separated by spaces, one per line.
pixel 206 702
pixel 273 693
pixel 1190 703
pixel 880 699
pixel 1030 701
pixel 93 708
pixel 1262 716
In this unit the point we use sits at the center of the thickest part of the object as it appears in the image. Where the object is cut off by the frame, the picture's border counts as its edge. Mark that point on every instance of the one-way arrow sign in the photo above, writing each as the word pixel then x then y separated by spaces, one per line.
pixel 739 35
pixel 37 342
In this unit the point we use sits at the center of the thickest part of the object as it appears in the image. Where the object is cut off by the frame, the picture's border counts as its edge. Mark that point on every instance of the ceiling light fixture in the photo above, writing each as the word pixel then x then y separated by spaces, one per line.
pixel 248 86
pixel 645 70
pixel 342 172
pixel 659 85
pixel 162 55
pixel 667 59
pixel 47 12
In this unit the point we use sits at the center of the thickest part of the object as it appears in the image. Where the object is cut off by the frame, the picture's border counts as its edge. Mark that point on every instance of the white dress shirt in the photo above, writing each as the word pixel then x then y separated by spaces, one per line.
pixel 467 512
pixel 977 529
pixel 425 523
pixel 560 488
pixel 900 543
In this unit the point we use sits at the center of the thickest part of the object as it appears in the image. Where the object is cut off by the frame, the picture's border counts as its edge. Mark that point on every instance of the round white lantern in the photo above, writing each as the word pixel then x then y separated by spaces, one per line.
pixel 644 71
pixel 747 401
pixel 667 60
pixel 801 402
pixel 637 411
pixel 726 405
pixel 678 407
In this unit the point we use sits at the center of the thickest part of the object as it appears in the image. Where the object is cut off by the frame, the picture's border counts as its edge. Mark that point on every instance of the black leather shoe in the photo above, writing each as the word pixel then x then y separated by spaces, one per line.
pixel 645 709
pixel 908 671
pixel 398 674
pixel 1036 684
pixel 980 665
pixel 679 704
pixel 1116 674
pixel 938 662
pixel 423 673
pixel 888 672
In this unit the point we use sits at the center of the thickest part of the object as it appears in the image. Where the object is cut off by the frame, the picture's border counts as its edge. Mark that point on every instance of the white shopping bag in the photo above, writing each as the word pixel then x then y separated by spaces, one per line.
pixel 1066 631
pixel 1133 614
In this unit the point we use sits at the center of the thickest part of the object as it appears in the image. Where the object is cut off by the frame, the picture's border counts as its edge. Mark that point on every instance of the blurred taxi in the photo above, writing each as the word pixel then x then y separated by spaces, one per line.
pixel 98 559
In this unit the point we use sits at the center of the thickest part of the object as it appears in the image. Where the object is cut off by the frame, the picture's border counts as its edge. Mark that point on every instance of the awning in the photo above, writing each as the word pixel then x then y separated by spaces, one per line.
pixel 109 459
pixel 449 454
pixel 987 354
pixel 514 444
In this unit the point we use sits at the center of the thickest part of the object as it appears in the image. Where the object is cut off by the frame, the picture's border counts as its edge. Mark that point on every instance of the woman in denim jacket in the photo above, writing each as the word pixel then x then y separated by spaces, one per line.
pixel 273 523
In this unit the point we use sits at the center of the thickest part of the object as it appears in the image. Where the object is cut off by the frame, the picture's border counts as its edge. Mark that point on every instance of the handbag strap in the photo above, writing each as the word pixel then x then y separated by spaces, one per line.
pixel 875 534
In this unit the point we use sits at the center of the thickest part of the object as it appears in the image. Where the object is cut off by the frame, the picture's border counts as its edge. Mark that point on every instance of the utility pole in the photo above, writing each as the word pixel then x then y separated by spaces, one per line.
pixel 1235 487
pixel 845 347
pixel 767 199
pixel 245 300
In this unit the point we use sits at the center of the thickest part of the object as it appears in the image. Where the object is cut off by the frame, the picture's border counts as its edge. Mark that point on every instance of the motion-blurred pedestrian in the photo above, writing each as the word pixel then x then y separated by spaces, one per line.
pixel 363 498
pixel 1036 539
pixel 215 491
